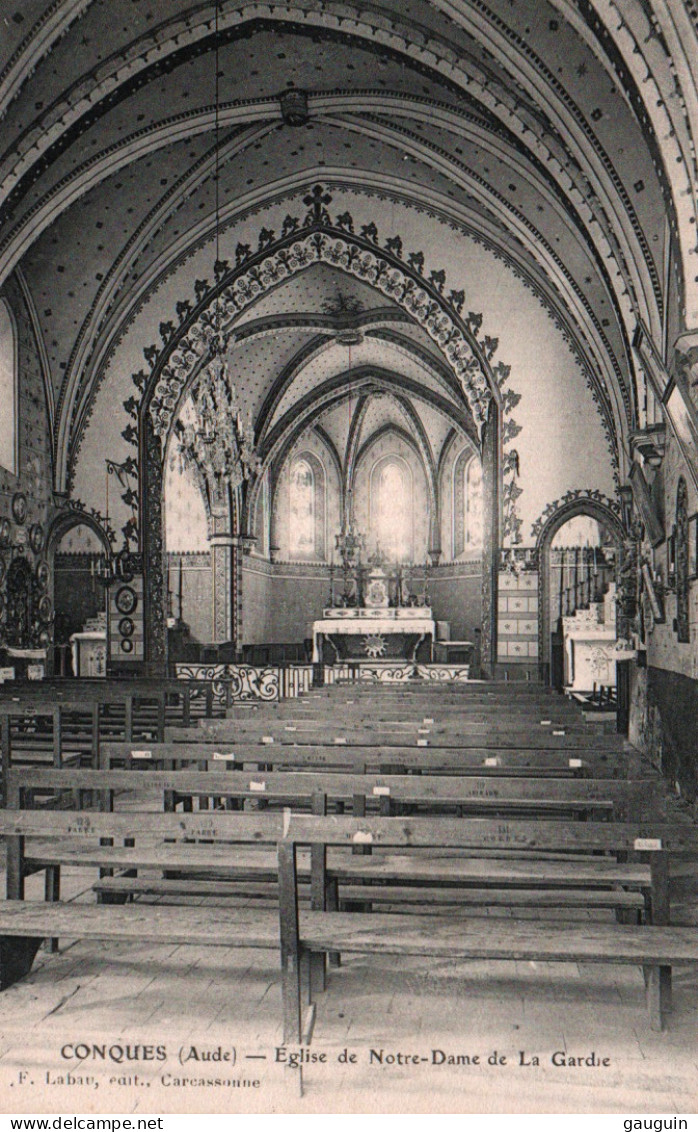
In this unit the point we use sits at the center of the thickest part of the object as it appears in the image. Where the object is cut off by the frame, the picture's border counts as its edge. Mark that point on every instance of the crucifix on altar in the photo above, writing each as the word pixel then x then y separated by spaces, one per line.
pixel 375 618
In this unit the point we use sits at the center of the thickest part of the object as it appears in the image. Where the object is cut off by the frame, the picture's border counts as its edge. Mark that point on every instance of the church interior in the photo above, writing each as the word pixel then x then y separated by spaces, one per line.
pixel 349 399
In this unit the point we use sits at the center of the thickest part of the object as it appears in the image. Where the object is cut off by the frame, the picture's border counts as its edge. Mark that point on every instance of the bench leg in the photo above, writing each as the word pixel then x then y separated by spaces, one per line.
pixel 332 905
pixel 658 983
pixel 17 954
pixel 291 994
pixel 52 893
pixel 317 972
pixel 628 916
pixel 291 947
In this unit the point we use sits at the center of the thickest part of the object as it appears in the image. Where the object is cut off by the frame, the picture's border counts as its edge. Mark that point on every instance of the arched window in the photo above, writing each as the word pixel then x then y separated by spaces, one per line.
pixel 307 508
pixel 392 519
pixel 467 503
pixel 302 519
pixel 473 505
pixel 8 390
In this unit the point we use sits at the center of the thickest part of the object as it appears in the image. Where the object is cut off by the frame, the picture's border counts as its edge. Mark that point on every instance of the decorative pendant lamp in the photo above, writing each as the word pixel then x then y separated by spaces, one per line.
pixel 215 437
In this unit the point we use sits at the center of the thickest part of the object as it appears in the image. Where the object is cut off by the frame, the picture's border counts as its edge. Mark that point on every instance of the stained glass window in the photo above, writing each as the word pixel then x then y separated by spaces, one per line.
pixel 302 518
pixel 467 503
pixel 8 390
pixel 391 510
pixel 473 504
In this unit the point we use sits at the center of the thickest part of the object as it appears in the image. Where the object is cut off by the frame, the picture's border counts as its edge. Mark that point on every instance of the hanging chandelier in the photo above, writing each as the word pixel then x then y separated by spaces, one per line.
pixel 213 438
pixel 350 542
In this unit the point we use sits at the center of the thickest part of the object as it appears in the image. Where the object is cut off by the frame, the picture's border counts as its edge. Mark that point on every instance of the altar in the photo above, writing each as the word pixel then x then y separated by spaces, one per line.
pixel 89 648
pixel 367 633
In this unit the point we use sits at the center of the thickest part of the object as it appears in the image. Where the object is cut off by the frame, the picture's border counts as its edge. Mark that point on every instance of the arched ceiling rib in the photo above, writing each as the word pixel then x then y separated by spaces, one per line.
pixel 591 337
pixel 560 133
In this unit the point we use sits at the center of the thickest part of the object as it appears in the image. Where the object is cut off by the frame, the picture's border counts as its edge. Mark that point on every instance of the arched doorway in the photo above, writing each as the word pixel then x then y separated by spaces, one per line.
pixel 578 554
pixel 76 548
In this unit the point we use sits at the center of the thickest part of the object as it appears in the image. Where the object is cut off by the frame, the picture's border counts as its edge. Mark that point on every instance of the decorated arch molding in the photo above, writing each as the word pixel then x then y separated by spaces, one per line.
pixel 312 238
pixel 583 501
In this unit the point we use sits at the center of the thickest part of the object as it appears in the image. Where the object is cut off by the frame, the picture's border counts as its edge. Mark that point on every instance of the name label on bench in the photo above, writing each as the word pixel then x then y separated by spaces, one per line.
pixel 220 756
pixel 558 732
pixel 383 791
pixel 574 764
pixel 267 738
pixel 492 762
pixel 427 721
pixel 423 731
pixel 258 787
pixel 649 844
pixel 341 742
pixel 546 722
pixel 290 728
pixel 422 742
pixel 361 837
pixel 141 754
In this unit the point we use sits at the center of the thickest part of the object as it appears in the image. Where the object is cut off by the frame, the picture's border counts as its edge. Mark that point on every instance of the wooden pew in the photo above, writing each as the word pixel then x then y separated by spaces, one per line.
pixel 347 755
pixel 24 924
pixel 177 701
pixel 566 885
pixel 336 730
pixel 655 947
pixel 606 798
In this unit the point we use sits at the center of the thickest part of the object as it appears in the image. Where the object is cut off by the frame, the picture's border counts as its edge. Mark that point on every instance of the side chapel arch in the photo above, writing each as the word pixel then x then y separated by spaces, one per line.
pixel 559 515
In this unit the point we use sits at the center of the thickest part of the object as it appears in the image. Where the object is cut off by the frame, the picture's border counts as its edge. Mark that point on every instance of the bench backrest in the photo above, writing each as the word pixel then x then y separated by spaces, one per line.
pixel 550 738
pixel 607 797
pixel 347 755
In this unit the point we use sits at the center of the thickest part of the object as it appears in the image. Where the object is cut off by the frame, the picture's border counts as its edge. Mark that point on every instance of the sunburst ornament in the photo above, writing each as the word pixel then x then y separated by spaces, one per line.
pixel 374 645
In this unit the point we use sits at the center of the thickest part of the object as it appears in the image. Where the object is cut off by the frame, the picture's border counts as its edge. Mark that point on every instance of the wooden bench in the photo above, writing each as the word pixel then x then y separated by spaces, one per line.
pixel 227 846
pixel 335 730
pixel 655 947
pixel 25 924
pixel 607 799
pixel 575 884
pixel 300 753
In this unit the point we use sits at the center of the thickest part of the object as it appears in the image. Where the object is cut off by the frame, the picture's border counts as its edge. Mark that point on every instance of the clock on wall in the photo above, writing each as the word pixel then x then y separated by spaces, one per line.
pixel 126 600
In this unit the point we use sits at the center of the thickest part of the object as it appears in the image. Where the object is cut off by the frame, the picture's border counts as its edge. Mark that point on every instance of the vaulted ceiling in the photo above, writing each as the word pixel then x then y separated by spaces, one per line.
pixel 556 134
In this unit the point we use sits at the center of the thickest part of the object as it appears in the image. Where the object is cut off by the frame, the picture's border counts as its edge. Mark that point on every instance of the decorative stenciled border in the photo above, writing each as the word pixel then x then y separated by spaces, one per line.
pixel 246 682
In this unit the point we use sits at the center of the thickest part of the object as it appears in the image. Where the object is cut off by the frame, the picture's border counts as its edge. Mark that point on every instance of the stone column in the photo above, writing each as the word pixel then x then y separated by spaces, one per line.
pixel 490 540
pixel 153 549
pixel 224 575
pixel 434 547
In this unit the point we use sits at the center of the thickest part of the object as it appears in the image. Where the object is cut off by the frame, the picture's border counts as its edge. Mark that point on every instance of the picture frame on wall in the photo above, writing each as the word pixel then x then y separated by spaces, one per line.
pixel 683 419
pixel 671 555
pixel 654 598
pixel 693 546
